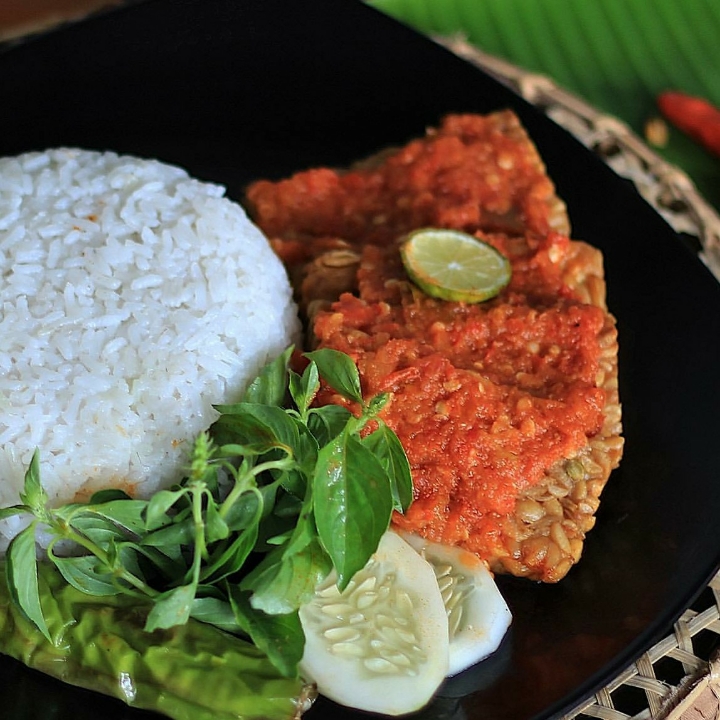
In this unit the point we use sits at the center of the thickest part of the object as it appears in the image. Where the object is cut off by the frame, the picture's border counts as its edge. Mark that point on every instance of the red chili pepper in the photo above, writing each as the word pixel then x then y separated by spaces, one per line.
pixel 695 116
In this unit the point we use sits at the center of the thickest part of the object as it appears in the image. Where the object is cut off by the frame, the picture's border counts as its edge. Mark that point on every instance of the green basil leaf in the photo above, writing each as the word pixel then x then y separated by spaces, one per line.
pixel 327 422
pixel 242 436
pixel 246 510
pixel 181 532
pixel 274 530
pixel 377 403
pixel 259 427
pixel 171 609
pixel 67 512
pixel 304 388
pixel 279 539
pixel 234 450
pixel 231 559
pixel 167 560
pixel 288 505
pixel 156 511
pixel 353 504
pixel 98 529
pixel 280 583
pixel 388 449
pixel 13 510
pixel 339 371
pixel 294 483
pixel 22 577
pixel 270 386
pixel 215 527
pixel 279 636
pixel 108 495
pixel 304 455
pixel 304 533
pixel 87 574
pixel 215 611
pixel 128 556
pixel 290 524
pixel 33 495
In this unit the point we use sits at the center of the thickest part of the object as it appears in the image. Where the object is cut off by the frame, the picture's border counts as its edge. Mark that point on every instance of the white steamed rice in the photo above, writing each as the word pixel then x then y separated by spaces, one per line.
pixel 132 298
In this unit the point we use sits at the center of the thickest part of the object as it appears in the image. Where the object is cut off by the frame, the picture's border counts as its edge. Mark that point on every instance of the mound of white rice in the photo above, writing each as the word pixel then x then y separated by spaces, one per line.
pixel 132 298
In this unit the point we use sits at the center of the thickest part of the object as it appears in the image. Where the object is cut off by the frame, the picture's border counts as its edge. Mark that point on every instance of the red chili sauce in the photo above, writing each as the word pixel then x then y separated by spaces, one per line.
pixel 473 172
pixel 484 398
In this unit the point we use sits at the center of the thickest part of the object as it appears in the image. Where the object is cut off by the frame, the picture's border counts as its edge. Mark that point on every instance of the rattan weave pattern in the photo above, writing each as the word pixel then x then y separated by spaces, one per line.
pixel 679 677
pixel 667 673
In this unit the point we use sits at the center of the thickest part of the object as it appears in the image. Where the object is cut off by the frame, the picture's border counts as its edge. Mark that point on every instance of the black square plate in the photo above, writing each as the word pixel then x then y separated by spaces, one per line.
pixel 235 90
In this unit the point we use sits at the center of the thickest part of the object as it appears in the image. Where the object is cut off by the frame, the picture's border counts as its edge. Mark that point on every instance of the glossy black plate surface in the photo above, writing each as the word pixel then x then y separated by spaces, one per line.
pixel 239 89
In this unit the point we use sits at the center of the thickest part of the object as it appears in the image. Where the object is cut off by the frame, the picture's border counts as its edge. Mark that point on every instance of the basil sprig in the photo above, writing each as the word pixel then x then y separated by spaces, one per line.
pixel 278 493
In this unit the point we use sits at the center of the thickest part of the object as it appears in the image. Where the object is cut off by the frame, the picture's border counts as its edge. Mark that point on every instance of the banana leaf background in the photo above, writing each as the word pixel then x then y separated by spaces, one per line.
pixel 615 54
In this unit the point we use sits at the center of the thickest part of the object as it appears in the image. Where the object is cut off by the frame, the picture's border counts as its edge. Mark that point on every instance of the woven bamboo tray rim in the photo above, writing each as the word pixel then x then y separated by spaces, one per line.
pixel 679 677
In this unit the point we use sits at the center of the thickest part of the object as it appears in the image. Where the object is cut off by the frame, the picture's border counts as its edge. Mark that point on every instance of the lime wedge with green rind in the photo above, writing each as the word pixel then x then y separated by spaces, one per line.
pixel 452 265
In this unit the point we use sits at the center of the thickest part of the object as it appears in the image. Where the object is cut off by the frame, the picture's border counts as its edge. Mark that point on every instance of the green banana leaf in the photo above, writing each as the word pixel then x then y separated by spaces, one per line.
pixel 616 54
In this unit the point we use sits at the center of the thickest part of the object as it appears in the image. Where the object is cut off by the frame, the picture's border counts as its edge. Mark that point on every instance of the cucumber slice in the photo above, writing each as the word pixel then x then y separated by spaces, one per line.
pixel 382 644
pixel 478 616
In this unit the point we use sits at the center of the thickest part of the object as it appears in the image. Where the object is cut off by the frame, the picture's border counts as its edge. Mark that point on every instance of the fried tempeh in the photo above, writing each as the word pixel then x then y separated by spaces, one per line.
pixel 481 395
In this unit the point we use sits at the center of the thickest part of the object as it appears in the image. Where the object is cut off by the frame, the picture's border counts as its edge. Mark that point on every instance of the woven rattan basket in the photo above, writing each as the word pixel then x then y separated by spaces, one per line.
pixel 679 677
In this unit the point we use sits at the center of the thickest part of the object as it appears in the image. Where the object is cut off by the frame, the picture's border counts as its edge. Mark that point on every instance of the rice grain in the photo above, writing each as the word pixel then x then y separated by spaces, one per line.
pixel 132 298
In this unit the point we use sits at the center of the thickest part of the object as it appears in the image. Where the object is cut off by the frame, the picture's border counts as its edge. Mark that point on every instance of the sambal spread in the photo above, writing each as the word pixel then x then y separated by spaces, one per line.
pixel 483 397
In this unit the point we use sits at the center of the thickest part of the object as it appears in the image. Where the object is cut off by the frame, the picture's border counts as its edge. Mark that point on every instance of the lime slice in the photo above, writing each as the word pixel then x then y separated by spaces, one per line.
pixel 452 265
